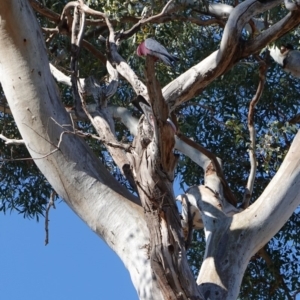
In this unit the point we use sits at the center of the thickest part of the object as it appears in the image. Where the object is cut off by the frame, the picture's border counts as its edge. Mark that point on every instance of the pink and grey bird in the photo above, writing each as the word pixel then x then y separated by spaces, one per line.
pixel 155 49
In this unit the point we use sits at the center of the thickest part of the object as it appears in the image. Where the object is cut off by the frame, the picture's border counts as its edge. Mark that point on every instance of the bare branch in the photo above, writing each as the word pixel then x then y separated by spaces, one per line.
pixel 153 19
pixel 250 183
pixel 50 203
pixel 61 77
pixel 48 13
pixel 121 65
pixel 100 119
pixel 286 24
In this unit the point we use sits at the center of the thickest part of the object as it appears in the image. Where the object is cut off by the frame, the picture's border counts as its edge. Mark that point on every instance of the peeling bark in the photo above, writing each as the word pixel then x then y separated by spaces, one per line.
pixel 153 166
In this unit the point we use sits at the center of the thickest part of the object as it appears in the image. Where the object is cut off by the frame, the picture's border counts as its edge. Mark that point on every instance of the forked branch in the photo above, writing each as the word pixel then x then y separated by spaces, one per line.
pixel 227 191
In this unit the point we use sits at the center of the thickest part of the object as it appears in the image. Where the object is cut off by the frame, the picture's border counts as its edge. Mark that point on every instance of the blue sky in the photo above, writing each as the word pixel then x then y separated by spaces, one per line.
pixel 76 264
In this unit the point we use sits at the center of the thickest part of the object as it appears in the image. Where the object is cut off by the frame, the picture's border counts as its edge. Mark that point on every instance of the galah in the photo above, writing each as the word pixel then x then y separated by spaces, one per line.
pixel 155 49
pixel 288 58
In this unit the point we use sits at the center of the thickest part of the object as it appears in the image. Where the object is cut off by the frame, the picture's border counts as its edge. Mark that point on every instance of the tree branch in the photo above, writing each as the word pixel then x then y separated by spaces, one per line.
pixel 44 11
pixel 252 147
pixel 99 119
pixel 227 191
pixel 193 81
pixel 282 27
pixel 50 203
pixel 121 65
pixel 11 141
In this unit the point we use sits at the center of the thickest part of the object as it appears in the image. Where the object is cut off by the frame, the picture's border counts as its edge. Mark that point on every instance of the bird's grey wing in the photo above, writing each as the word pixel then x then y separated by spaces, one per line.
pixel 158 50
pixel 292 63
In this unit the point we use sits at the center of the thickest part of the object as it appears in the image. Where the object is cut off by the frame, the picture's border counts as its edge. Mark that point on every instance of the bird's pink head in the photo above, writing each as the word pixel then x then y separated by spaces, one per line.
pixel 141 49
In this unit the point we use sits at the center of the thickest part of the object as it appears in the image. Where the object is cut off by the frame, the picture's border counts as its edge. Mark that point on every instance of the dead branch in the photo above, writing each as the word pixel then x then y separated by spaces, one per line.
pixel 2 160
pixel 279 29
pixel 100 119
pixel 50 203
pixel 121 65
pixel 76 38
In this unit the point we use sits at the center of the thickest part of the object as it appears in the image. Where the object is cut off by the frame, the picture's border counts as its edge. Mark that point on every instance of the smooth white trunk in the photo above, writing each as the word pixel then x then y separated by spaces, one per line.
pixel 66 161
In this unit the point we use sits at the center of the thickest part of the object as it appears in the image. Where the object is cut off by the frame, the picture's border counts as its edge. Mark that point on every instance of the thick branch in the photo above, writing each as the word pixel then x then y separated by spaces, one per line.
pixel 227 191
pixel 46 12
pixel 193 81
pixel 286 24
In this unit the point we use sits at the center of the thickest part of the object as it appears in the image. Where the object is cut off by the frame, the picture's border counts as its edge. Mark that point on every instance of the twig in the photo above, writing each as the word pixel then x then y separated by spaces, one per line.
pixel 43 156
pixel 50 203
pixel 28 158
pixel 123 146
pixel 152 19
pixel 249 187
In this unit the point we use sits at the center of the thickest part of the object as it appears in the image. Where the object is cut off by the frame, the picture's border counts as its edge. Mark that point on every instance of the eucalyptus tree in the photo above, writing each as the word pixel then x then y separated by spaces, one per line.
pixel 70 74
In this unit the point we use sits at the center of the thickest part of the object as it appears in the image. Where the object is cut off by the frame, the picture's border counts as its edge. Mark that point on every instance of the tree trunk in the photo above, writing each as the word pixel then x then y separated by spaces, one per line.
pixel 71 168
